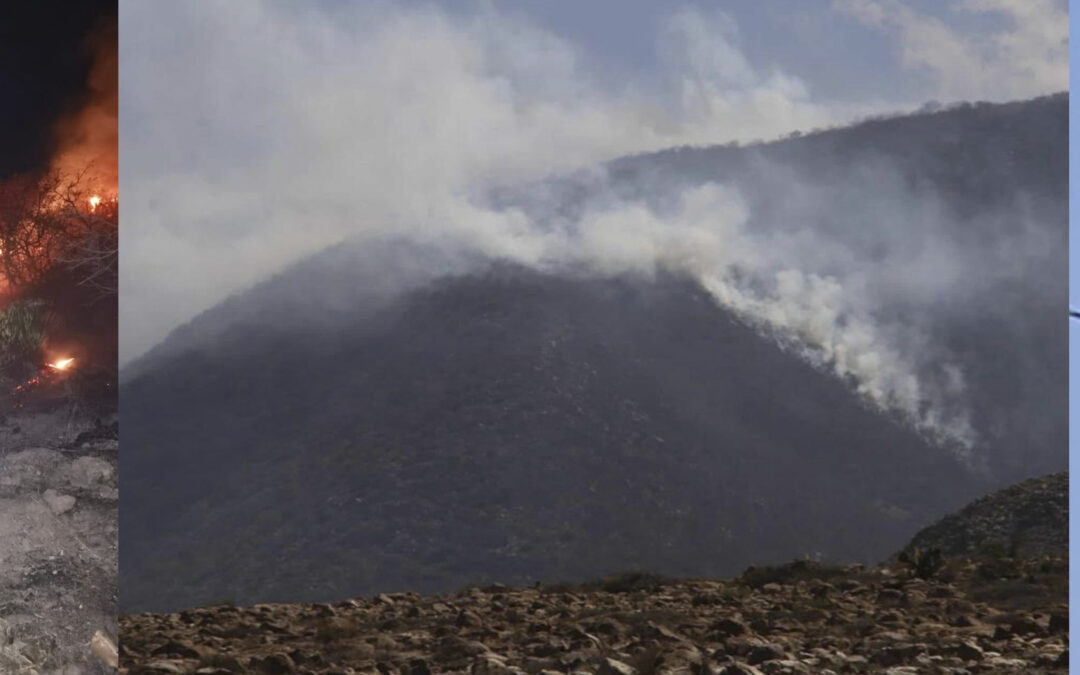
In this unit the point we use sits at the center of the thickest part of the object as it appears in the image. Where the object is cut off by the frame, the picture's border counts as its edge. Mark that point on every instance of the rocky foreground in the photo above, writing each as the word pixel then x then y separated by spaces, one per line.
pixel 993 615
pixel 58 538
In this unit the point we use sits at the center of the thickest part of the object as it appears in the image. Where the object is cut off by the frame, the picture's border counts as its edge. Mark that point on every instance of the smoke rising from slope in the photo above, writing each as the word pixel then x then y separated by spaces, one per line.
pixel 311 135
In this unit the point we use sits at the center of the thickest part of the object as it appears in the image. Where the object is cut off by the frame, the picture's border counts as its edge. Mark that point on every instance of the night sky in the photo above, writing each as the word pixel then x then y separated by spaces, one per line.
pixel 45 58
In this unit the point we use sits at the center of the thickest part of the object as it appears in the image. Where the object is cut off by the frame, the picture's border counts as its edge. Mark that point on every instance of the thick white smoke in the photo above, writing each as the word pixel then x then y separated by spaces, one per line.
pixel 255 134
pixel 769 278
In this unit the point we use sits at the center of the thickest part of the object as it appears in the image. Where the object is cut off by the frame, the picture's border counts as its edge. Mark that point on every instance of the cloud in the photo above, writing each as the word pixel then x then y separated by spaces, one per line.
pixel 1027 56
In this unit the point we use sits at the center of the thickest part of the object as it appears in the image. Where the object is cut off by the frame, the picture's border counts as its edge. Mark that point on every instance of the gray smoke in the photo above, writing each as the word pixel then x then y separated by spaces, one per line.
pixel 257 134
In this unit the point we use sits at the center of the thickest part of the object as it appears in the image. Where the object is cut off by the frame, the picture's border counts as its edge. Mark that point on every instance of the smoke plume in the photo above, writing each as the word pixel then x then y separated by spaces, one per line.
pixel 88 140
pixel 260 134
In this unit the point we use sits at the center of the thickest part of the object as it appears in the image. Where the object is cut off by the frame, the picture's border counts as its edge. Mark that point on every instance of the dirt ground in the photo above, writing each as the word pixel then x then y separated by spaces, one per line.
pixel 58 537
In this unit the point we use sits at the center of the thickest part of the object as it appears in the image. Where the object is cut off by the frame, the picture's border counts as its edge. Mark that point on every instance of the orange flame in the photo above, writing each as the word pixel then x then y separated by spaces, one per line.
pixel 94 201
pixel 62 364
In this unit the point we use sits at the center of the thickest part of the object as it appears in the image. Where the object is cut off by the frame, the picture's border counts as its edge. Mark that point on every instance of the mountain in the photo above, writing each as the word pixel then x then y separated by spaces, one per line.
pixel 1031 517
pixel 506 426
pixel 985 185
pixel 396 417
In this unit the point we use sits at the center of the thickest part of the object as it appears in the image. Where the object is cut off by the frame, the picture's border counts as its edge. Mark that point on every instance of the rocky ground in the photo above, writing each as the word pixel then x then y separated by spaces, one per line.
pixel 58 536
pixel 987 616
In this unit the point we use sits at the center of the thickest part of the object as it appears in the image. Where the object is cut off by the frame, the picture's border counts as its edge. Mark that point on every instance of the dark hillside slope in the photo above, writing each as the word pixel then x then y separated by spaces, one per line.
pixel 390 416
pixel 505 426
pixel 988 182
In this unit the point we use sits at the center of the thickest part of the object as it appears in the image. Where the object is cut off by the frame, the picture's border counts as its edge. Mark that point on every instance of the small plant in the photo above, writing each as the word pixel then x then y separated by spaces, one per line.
pixel 22 332
pixel 924 563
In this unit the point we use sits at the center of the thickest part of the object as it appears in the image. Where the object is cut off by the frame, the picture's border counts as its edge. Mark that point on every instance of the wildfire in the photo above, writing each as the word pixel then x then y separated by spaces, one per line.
pixel 62 364
pixel 49 374
pixel 94 201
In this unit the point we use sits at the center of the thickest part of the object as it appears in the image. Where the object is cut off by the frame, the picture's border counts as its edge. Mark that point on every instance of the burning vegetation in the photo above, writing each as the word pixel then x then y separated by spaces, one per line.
pixel 58 280
pixel 59 250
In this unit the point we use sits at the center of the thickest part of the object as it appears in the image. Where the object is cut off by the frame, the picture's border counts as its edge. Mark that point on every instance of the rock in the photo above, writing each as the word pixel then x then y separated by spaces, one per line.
pixel 728 627
pixel 89 472
pixel 968 651
pixel 611 666
pixel 765 652
pixel 1005 664
pixel 181 650
pixel 1023 626
pixel 740 669
pixel 223 662
pixel 273 664
pixel 468 619
pixel 785 667
pixel 894 656
pixel 157 667
pixel 1027 626
pixel 489 664
pixel 58 503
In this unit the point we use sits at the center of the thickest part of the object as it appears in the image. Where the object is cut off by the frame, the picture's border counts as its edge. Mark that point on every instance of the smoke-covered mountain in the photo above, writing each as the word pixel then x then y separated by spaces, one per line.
pixel 398 415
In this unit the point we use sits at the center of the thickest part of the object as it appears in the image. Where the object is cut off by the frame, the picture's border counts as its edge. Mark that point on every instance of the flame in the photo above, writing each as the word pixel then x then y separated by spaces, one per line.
pixel 62 364
pixel 94 201
pixel 87 139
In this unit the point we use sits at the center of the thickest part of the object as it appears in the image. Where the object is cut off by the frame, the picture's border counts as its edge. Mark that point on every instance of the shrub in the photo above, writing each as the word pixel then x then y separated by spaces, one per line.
pixel 22 331
pixel 802 569
pixel 924 563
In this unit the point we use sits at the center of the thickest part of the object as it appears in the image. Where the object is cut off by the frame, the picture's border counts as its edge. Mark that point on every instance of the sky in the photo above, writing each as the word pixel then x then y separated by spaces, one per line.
pixel 256 134
pixel 46 53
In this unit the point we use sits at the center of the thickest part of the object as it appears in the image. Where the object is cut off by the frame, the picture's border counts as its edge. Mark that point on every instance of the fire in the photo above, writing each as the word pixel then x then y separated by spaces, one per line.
pixel 62 364
pixel 94 201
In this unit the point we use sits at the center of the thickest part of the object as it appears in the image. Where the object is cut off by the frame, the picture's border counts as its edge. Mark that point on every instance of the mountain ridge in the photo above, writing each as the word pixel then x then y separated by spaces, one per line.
pixel 392 416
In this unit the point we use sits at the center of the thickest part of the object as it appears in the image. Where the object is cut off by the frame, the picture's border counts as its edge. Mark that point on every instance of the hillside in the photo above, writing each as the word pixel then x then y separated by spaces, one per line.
pixel 396 417
pixel 985 183
pixel 1031 518
pixel 507 426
